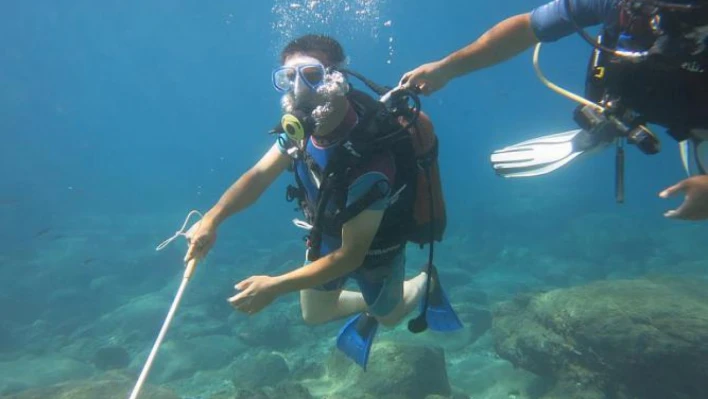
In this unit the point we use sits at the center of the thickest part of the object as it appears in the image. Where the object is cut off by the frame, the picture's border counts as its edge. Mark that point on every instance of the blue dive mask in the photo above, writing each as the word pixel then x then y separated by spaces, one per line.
pixel 284 78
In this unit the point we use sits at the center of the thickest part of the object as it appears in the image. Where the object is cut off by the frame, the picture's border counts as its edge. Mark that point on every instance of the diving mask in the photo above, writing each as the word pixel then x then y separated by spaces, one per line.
pixel 284 78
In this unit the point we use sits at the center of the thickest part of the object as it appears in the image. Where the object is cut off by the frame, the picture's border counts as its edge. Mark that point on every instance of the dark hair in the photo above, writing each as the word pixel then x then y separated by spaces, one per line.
pixel 327 46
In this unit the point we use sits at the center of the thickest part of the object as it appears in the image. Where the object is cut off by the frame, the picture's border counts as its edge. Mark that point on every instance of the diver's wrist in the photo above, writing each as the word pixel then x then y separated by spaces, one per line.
pixel 279 285
pixel 214 217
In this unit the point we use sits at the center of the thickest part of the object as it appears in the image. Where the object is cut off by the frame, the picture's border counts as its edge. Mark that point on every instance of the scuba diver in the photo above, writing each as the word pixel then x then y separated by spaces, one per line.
pixel 367 183
pixel 648 66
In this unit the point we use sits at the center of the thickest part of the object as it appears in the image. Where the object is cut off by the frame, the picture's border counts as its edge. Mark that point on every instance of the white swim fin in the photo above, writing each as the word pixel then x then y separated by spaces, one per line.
pixel 543 155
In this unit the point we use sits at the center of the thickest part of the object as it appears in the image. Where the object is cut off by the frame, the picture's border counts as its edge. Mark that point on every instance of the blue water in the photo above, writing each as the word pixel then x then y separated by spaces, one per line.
pixel 117 118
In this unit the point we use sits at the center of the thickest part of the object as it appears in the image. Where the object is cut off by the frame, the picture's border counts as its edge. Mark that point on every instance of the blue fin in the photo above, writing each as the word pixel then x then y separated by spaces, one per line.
pixel 356 337
pixel 440 315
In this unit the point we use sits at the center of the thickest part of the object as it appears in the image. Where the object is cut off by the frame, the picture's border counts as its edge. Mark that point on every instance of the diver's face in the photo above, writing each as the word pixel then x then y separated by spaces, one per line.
pixel 299 78
pixel 305 73
pixel 309 87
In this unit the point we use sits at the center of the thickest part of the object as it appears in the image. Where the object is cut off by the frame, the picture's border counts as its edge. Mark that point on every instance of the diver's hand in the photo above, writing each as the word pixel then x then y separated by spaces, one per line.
pixel 428 78
pixel 257 292
pixel 695 204
pixel 200 237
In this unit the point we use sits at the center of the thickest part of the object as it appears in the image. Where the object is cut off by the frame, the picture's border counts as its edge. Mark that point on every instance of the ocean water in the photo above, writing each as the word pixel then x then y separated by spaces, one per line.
pixel 118 118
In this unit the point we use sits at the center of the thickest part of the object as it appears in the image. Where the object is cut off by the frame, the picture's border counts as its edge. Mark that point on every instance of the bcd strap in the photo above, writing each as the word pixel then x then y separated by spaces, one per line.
pixel 374 194
pixel 315 238
pixel 333 172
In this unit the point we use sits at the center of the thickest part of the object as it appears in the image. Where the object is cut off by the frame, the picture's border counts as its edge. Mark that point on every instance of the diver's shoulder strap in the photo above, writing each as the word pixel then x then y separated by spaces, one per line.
pixel 367 107
pixel 376 122
pixel 375 193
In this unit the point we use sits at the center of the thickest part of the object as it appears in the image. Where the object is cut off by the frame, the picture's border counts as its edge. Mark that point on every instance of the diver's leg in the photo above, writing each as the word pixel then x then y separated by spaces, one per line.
pixel 413 291
pixel 321 305
pixel 394 298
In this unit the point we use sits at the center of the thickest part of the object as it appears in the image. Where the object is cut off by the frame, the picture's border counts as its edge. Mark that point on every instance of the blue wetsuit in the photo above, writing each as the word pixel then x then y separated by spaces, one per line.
pixel 379 278
pixel 550 21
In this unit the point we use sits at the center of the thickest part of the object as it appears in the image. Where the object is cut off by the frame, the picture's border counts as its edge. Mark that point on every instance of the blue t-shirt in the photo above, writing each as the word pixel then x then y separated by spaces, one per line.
pixel 550 21
pixel 378 173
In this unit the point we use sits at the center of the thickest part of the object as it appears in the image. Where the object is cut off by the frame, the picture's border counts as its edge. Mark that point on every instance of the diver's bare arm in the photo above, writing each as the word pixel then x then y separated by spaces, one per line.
pixel 357 236
pixel 249 187
pixel 503 41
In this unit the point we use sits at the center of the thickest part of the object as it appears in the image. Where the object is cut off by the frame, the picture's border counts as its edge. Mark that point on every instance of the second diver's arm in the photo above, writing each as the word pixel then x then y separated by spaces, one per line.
pixel 512 36
pixel 503 41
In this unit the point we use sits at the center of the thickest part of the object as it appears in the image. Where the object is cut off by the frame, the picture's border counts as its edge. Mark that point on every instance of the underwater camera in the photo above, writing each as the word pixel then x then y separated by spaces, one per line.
pixel 604 126
pixel 607 127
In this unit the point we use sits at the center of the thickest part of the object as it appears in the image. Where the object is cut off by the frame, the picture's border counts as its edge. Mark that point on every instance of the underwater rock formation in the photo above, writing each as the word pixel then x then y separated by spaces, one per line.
pixel 285 390
pixel 274 331
pixel 248 372
pixel 39 371
pixel 394 370
pixel 111 357
pixel 182 358
pixel 645 338
pixel 107 386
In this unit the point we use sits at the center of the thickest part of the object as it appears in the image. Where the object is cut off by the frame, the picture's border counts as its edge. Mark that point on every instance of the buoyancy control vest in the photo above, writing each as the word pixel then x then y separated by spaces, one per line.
pixel 416 212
